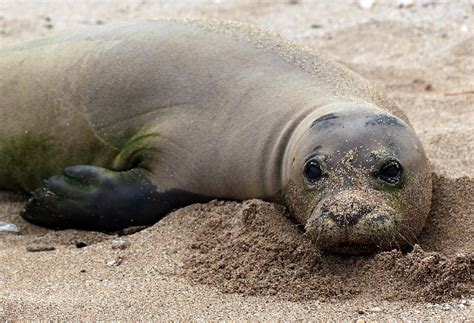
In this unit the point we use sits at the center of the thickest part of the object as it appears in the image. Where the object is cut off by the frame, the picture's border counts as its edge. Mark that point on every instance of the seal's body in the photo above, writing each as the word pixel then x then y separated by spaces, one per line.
pixel 165 113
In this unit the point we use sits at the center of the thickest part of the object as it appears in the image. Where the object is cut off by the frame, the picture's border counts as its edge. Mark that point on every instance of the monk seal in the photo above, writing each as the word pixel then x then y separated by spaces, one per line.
pixel 117 125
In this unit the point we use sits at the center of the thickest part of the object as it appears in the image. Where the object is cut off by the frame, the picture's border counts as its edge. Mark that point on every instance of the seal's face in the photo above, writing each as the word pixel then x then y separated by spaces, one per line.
pixel 359 181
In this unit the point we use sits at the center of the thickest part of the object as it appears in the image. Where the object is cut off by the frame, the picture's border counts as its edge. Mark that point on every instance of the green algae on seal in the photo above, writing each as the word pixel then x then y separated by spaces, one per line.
pixel 144 117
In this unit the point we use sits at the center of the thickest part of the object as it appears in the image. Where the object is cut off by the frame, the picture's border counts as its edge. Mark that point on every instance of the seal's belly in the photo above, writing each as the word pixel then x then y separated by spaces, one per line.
pixel 29 158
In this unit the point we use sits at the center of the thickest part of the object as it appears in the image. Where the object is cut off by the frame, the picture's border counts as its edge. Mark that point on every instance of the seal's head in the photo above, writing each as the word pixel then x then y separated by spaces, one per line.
pixel 358 179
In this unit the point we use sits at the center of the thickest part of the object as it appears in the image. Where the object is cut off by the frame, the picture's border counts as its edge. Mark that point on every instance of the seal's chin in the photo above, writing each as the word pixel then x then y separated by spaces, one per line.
pixel 373 231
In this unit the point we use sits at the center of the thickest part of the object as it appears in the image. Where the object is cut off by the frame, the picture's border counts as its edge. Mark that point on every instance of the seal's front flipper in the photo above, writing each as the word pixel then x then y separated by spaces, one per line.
pixel 94 198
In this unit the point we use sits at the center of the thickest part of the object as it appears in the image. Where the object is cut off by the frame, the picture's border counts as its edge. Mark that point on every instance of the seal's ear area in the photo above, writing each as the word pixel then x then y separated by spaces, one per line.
pixel 94 198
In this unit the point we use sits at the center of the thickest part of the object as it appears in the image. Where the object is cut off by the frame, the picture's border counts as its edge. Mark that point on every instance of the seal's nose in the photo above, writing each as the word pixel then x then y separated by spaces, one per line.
pixel 345 210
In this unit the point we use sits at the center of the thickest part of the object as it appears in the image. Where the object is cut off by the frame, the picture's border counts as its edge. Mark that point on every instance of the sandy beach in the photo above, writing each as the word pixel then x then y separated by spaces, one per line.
pixel 230 260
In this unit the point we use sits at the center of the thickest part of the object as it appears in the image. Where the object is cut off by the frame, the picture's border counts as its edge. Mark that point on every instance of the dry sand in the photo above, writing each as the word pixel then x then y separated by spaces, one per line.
pixel 248 260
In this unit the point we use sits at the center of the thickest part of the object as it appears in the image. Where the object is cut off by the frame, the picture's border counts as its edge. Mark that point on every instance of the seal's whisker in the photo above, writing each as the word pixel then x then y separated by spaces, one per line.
pixel 404 238
pixel 409 230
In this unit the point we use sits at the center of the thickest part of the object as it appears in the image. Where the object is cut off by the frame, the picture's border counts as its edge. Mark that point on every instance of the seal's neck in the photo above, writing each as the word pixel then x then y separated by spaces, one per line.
pixel 292 135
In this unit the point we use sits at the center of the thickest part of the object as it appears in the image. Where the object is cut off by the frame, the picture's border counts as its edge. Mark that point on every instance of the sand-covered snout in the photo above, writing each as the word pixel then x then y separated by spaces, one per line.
pixel 356 221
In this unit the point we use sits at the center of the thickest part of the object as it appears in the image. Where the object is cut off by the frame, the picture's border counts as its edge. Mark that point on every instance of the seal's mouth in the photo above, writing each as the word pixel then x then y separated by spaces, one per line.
pixel 372 231
pixel 350 241
pixel 352 249
pixel 354 222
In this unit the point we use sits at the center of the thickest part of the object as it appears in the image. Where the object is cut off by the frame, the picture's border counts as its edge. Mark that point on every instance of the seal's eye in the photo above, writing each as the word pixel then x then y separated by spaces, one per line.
pixel 390 172
pixel 312 171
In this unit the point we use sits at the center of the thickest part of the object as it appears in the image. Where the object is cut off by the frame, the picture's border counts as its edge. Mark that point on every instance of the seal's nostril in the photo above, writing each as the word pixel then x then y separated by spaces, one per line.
pixel 353 217
pixel 344 220
pixel 345 216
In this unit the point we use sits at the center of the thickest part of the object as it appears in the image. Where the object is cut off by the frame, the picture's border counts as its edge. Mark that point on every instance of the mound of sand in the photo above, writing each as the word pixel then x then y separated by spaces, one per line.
pixel 254 249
